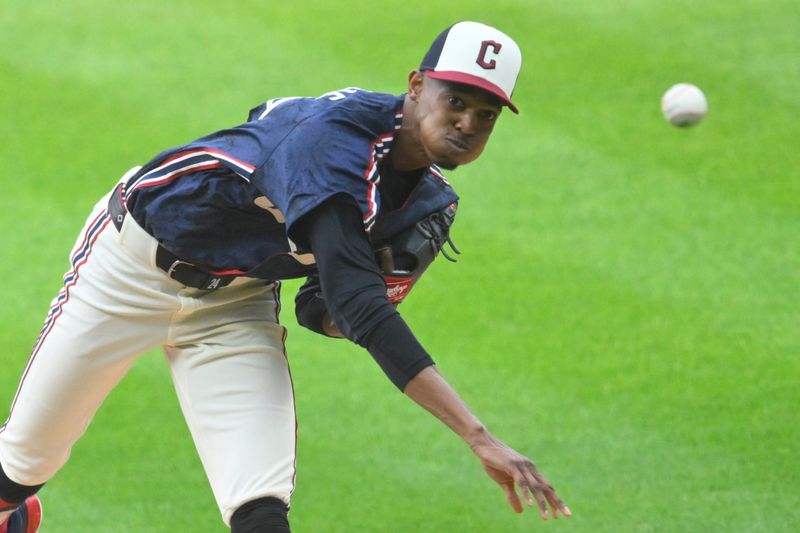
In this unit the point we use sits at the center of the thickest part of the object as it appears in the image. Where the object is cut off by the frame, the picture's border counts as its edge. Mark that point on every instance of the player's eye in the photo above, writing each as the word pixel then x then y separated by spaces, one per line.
pixel 455 101
pixel 488 116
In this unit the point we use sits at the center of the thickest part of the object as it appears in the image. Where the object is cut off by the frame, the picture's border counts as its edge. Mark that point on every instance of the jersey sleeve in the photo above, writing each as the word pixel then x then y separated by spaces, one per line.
pixel 321 157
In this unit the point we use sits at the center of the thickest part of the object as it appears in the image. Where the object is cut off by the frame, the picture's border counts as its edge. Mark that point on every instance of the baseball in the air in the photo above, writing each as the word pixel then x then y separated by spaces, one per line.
pixel 684 105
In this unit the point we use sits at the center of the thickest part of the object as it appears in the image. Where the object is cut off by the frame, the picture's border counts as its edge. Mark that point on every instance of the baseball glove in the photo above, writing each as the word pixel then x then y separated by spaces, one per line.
pixel 404 257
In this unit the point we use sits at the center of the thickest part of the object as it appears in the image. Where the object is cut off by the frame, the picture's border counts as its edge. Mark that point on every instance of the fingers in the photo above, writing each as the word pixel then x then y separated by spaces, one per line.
pixel 531 489
pixel 556 503
pixel 510 470
pixel 534 484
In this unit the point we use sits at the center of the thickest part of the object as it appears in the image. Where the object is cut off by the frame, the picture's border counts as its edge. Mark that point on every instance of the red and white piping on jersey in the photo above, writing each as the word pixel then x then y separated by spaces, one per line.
pixel 380 147
pixel 187 162
pixel 438 173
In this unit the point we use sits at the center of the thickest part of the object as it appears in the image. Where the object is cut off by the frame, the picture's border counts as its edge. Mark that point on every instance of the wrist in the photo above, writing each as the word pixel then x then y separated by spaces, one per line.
pixel 478 435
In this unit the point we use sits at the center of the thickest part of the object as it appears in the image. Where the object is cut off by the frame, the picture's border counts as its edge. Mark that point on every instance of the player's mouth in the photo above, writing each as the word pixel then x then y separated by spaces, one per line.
pixel 458 144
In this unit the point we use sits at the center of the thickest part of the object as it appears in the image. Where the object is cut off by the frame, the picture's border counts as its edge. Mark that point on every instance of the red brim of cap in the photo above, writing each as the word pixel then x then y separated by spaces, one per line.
pixel 474 81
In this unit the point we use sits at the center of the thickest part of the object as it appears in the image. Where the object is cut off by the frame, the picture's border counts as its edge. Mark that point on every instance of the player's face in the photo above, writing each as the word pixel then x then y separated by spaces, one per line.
pixel 455 121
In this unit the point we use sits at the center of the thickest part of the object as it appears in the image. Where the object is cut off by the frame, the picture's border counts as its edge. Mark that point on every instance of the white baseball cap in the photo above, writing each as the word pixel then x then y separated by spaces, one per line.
pixel 475 54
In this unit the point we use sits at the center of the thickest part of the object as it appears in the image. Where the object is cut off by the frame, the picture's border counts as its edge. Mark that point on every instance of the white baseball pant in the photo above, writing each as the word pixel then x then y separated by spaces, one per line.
pixel 225 350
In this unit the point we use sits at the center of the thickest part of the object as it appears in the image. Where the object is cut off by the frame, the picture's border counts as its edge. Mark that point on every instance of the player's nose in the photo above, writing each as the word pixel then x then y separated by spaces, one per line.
pixel 466 123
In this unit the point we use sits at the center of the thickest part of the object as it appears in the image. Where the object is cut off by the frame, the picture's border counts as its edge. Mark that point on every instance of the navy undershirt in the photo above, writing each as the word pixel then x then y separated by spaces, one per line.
pixel 354 291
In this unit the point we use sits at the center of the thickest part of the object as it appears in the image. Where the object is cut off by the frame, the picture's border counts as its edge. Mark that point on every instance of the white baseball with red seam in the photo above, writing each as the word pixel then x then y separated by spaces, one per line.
pixel 684 105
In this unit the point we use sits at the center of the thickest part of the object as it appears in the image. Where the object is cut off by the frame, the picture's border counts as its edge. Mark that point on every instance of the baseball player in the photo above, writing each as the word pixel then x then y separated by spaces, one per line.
pixel 187 252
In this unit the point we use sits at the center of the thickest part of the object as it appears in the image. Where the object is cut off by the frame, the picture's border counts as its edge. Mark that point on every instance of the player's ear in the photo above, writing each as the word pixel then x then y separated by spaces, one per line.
pixel 415 82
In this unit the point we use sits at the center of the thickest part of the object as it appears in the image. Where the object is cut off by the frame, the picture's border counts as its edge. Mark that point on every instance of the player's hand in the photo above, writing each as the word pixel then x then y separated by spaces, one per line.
pixel 330 329
pixel 510 470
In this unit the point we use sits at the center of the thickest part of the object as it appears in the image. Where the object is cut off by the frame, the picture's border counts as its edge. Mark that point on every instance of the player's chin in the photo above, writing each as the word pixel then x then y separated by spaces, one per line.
pixel 446 164
pixel 450 160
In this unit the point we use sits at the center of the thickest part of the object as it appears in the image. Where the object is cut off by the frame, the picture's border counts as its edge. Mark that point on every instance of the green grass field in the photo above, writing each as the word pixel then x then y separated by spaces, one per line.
pixel 626 309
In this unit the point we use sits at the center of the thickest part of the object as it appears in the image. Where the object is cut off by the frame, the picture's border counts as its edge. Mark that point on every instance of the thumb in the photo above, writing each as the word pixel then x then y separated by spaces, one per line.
pixel 512 497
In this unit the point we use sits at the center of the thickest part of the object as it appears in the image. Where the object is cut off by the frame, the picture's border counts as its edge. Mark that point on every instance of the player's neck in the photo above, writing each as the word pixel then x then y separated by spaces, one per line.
pixel 407 150
pixel 396 185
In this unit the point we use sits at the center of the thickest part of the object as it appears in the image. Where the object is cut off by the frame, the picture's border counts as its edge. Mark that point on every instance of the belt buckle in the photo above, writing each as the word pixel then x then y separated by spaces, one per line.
pixel 175 265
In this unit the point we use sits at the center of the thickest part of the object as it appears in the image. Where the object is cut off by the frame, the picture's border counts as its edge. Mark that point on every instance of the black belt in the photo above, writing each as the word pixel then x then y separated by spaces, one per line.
pixel 183 272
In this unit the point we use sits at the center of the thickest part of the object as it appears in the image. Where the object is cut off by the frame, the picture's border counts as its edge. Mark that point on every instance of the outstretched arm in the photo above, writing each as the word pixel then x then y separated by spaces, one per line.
pixel 355 295
pixel 506 467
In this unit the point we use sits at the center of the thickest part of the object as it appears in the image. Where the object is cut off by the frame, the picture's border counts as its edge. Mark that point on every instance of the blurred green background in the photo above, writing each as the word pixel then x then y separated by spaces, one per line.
pixel 625 311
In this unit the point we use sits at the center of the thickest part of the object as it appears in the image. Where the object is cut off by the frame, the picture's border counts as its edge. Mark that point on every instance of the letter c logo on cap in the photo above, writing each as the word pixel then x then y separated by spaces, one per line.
pixel 482 54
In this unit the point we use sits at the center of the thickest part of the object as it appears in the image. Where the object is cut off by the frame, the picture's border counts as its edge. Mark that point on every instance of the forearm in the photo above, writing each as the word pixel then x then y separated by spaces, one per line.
pixel 430 390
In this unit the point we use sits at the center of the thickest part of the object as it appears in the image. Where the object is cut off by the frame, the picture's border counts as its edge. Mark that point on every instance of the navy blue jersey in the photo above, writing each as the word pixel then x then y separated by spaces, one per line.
pixel 228 201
